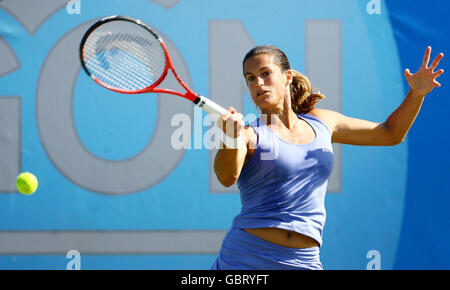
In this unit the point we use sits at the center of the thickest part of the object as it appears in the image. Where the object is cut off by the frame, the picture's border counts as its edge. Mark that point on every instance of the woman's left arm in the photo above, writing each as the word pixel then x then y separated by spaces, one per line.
pixel 393 131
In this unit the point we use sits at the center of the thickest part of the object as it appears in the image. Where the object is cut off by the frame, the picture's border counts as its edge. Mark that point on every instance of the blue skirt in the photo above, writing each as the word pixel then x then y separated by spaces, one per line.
pixel 243 251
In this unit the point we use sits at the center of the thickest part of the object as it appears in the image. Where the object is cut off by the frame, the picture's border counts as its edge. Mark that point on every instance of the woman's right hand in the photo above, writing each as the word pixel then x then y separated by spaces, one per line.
pixel 232 124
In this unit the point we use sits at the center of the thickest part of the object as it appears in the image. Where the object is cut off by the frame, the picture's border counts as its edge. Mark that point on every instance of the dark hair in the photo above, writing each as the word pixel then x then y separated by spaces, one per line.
pixel 303 98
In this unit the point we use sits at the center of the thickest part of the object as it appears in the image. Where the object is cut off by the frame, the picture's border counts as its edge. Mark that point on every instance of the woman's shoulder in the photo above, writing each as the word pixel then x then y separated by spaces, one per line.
pixel 321 113
pixel 327 117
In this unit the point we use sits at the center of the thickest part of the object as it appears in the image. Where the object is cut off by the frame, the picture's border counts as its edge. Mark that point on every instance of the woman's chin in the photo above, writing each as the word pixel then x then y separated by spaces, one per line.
pixel 264 103
pixel 266 106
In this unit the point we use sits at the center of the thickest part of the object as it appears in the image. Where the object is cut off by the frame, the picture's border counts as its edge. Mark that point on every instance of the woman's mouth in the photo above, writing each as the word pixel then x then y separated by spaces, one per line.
pixel 261 93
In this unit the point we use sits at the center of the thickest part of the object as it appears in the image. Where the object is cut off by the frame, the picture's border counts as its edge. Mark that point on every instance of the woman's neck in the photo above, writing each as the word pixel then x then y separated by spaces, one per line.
pixel 286 118
pixel 281 115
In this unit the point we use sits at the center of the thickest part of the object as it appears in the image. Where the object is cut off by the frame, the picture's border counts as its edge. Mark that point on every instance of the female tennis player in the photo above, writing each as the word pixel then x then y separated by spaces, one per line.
pixel 285 159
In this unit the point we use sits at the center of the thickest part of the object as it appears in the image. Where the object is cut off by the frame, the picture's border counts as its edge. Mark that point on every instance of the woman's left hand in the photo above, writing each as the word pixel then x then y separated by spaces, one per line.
pixel 424 80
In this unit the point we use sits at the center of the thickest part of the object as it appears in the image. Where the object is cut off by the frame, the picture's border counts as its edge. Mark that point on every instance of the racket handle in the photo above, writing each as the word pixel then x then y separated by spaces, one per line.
pixel 209 106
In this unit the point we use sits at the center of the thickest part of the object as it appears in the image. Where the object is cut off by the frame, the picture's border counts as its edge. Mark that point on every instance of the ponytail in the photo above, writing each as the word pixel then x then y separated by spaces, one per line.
pixel 303 98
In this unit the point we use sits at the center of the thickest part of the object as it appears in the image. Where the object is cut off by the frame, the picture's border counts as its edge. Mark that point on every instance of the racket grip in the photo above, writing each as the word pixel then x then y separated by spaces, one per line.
pixel 209 106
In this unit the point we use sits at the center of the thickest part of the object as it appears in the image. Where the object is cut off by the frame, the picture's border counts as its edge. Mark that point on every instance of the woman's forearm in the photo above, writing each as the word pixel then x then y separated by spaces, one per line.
pixel 401 120
pixel 228 164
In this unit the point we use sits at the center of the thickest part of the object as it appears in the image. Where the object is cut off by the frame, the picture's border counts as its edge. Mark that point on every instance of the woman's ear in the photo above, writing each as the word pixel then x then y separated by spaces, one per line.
pixel 289 77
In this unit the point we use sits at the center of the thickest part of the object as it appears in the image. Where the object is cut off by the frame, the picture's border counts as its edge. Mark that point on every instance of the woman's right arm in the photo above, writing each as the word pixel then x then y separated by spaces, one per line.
pixel 229 161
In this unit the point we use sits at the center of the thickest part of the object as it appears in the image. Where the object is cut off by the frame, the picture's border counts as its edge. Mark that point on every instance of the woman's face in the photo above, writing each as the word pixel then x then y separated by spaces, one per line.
pixel 268 85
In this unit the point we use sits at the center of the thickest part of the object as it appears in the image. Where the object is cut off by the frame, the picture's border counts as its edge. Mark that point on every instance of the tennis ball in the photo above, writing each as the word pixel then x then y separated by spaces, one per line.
pixel 26 183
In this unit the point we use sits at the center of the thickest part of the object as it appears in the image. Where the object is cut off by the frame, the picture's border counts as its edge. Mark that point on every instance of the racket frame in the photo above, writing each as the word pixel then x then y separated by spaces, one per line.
pixel 190 95
pixel 201 101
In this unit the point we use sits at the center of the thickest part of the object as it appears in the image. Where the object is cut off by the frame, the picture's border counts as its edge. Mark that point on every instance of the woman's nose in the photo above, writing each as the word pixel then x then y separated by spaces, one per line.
pixel 259 81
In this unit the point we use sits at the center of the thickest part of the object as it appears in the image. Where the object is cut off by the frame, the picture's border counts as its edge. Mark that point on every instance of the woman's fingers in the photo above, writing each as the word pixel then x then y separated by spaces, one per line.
pixel 407 73
pixel 231 123
pixel 238 121
pixel 426 57
pixel 232 110
pixel 438 73
pixel 436 61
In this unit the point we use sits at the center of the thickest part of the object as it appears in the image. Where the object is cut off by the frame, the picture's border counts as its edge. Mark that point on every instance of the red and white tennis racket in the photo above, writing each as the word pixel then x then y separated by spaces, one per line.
pixel 125 55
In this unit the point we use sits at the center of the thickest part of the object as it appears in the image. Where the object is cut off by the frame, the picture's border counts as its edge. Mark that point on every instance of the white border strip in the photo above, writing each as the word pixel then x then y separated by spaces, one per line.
pixel 111 242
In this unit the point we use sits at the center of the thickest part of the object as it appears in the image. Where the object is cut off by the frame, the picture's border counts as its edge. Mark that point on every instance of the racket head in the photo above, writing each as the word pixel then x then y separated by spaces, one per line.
pixel 124 55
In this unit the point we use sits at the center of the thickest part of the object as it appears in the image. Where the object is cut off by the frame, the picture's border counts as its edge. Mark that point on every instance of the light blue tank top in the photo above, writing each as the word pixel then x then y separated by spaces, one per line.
pixel 283 185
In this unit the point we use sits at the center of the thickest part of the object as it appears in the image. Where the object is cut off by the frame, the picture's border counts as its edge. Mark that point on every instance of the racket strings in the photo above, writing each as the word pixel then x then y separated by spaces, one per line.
pixel 125 71
pixel 122 73
pixel 124 55
pixel 131 65
pixel 118 78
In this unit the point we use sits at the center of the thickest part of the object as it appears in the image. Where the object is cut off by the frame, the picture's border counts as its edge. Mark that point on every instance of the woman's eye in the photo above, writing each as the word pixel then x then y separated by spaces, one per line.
pixel 250 78
pixel 266 73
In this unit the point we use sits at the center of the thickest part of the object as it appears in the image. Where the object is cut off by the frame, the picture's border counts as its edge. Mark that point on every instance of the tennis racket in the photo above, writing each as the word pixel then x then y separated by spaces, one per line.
pixel 126 55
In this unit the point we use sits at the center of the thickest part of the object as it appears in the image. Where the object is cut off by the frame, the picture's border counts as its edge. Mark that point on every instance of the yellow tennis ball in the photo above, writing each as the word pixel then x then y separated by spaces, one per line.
pixel 27 183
